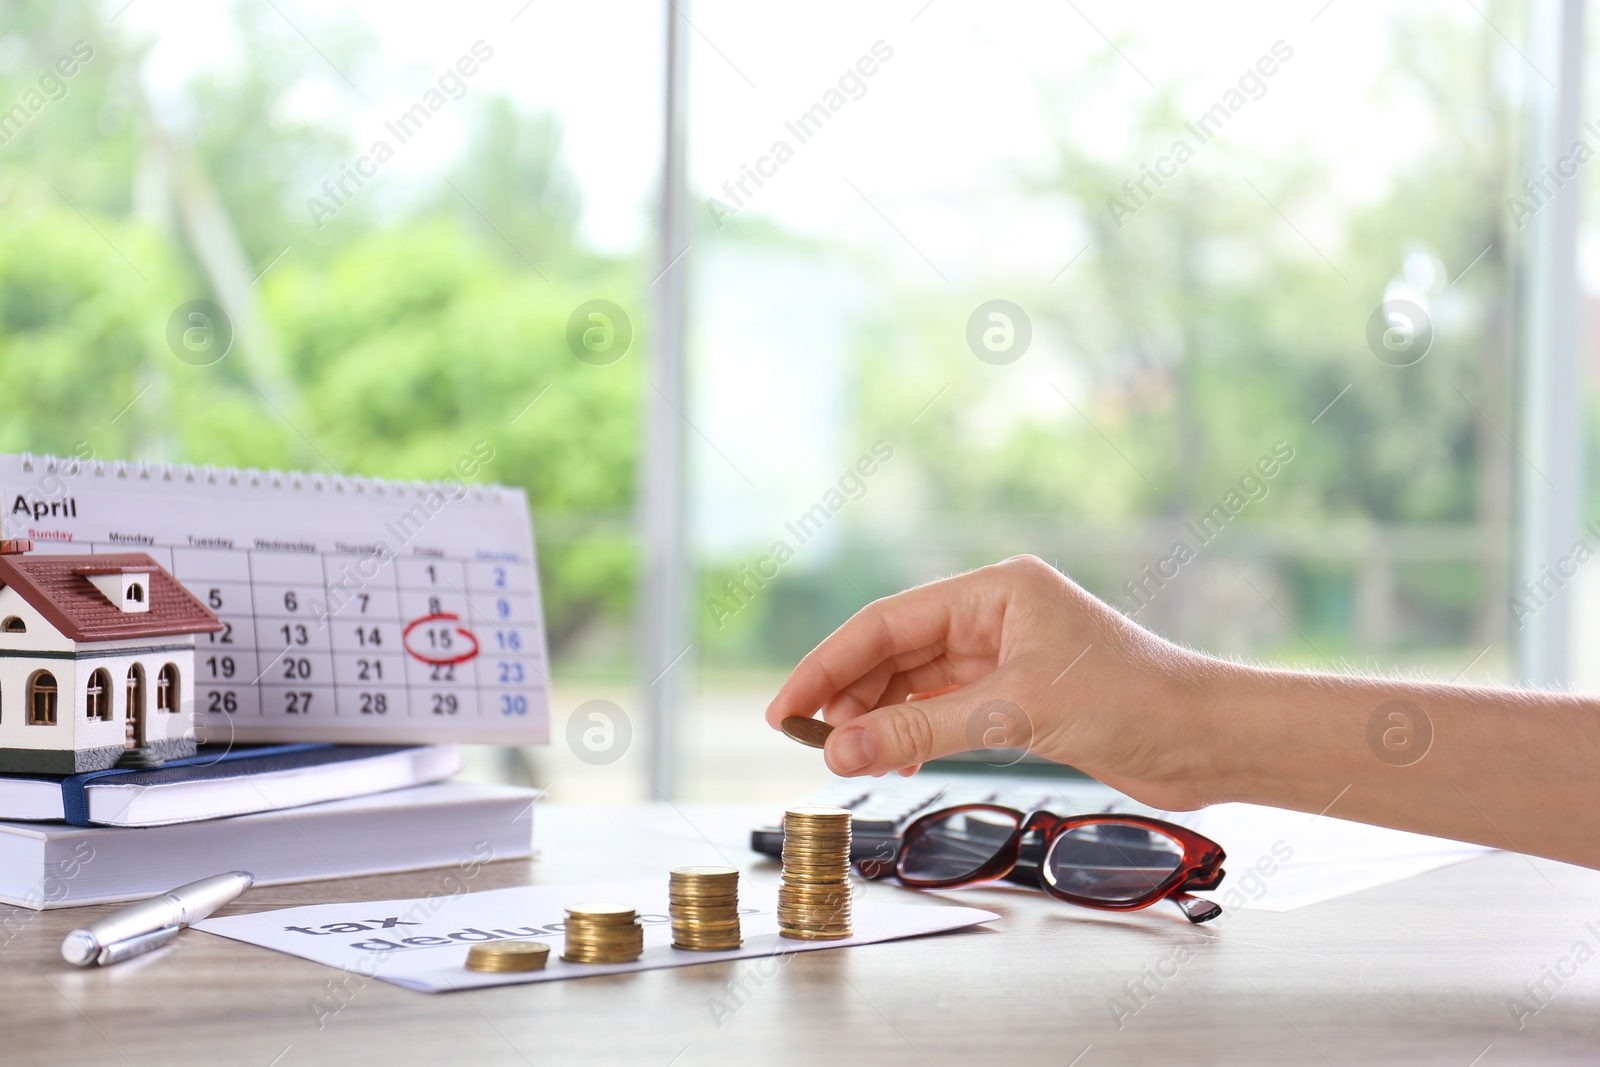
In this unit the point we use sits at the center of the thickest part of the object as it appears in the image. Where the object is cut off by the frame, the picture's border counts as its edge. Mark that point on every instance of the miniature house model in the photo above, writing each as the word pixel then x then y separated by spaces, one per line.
pixel 96 660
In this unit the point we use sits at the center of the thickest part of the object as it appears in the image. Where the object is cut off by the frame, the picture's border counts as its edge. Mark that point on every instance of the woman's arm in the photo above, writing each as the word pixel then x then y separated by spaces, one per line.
pixel 1514 769
pixel 1032 660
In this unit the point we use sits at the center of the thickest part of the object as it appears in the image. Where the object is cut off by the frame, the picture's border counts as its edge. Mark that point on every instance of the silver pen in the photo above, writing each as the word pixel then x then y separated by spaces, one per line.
pixel 151 923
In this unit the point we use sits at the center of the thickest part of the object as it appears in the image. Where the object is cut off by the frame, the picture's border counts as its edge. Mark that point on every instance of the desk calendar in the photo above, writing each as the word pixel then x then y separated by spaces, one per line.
pixel 353 609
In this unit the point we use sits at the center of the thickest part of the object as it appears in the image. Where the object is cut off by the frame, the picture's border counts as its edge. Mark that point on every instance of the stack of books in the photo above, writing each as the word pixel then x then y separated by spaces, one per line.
pixel 285 813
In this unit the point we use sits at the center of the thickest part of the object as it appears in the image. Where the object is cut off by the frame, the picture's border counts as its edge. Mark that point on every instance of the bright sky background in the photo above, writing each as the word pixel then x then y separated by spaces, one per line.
pixel 944 131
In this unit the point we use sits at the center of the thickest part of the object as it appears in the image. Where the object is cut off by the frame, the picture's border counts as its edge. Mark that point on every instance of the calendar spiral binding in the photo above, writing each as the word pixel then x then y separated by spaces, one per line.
pixel 250 477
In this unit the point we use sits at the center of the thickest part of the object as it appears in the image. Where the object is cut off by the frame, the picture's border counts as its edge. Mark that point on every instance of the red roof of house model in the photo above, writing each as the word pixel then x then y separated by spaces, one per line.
pixel 59 589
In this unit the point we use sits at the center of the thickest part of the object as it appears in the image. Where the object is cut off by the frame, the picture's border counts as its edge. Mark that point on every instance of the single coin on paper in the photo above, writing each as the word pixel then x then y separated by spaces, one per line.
pixel 806 730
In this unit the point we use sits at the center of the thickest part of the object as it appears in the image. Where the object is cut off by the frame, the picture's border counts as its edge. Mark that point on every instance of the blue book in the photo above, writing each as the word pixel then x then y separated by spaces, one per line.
pixel 224 781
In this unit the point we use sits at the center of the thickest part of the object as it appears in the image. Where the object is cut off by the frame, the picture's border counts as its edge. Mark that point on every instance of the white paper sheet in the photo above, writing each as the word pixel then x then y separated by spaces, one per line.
pixel 1281 860
pixel 380 939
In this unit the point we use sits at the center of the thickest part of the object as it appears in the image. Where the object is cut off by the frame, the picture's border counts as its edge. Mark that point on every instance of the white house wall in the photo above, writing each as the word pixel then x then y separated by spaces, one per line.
pixel 73 729
pixel 40 637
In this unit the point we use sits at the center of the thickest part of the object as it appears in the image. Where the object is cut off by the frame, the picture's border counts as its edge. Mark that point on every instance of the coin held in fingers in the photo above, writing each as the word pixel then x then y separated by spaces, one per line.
pixel 806 730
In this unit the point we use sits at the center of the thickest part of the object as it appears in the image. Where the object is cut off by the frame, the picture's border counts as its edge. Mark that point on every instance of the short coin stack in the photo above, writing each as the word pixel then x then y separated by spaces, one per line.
pixel 704 902
pixel 603 933
pixel 814 892
pixel 501 956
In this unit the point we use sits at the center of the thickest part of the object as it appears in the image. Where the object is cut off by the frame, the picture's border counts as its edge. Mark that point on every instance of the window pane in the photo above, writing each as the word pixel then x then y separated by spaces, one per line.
pixel 1210 309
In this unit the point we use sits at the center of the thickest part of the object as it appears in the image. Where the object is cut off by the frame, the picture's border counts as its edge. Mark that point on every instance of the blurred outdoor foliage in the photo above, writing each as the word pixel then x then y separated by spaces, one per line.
pixel 1184 344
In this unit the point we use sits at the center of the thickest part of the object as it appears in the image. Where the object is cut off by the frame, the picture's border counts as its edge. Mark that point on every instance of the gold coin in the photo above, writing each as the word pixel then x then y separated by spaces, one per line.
pixel 718 947
pixel 833 903
pixel 508 956
pixel 727 946
pixel 835 868
pixel 829 895
pixel 825 811
pixel 839 909
pixel 728 892
pixel 585 958
pixel 810 879
pixel 604 912
pixel 796 934
pixel 806 730
pixel 815 881
pixel 705 872
pixel 692 936
pixel 813 917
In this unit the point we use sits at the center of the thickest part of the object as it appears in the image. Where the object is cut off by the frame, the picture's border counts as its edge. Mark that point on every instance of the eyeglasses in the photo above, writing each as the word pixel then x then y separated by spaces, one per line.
pixel 1116 862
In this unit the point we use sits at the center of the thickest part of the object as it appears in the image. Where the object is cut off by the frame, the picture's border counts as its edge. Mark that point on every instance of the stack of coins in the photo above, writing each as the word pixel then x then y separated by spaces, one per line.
pixel 603 933
pixel 814 892
pixel 704 902
pixel 502 956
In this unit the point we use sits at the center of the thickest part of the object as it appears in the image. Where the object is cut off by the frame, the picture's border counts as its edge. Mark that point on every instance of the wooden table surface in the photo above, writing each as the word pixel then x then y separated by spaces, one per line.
pixel 1420 972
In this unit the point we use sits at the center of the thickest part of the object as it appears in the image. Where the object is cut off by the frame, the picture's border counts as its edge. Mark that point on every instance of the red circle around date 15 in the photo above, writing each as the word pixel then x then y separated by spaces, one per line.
pixel 441 657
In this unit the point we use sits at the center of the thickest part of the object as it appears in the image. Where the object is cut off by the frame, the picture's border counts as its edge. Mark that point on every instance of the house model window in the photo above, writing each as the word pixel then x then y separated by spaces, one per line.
pixel 167 689
pixel 97 698
pixel 14 625
pixel 42 699
pixel 125 588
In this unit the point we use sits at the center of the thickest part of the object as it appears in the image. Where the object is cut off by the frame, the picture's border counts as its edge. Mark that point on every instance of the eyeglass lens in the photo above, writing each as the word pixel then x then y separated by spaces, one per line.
pixel 1111 861
pixel 956 846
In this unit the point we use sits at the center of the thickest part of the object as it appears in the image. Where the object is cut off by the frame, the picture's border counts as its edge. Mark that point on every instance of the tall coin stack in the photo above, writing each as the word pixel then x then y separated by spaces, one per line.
pixel 704 903
pixel 814 891
pixel 603 933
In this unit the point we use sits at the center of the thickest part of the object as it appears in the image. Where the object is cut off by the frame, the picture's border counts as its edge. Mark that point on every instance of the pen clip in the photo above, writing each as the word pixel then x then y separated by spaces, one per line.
pixel 118 951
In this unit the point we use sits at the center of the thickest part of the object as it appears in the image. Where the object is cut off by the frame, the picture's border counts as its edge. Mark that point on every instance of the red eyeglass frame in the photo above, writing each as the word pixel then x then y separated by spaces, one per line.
pixel 1199 868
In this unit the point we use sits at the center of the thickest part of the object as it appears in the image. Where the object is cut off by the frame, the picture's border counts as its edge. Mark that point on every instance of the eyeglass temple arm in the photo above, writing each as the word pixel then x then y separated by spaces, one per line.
pixel 1195 909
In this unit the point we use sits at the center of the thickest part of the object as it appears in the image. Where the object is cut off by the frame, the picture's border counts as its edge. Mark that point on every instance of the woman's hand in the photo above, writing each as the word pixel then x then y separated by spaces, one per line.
pixel 1015 655
pixel 1010 655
